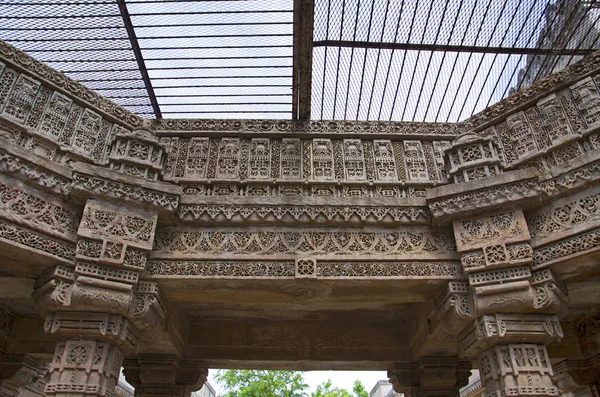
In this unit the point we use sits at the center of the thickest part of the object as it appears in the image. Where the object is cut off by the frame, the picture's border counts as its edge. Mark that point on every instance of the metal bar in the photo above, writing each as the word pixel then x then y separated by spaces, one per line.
pixel 160 48
pixel 412 22
pixel 337 74
pixel 452 48
pixel 180 68
pixel 219 95
pixel 211 12
pixel 481 59
pixel 152 37
pixel 231 111
pixel 135 46
pixel 219 86
pixel 184 78
pixel 437 35
pixel 362 77
pixel 412 77
pixel 387 76
pixel 325 61
pixel 469 59
pixel 454 64
pixel 351 59
pixel 515 43
pixel 304 11
pixel 441 65
pixel 224 103
pixel 177 25
pixel 540 40
pixel 387 6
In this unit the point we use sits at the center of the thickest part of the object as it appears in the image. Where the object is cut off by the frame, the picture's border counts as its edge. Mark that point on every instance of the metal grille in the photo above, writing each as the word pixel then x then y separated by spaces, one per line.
pixel 430 60
pixel 439 60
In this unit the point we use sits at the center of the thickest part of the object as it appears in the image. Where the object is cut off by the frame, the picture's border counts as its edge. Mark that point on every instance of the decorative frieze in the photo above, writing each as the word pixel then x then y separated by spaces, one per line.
pixel 198 242
pixel 430 377
pixel 320 269
pixel 18 371
pixel 488 231
pixel 137 153
pixel 566 248
pixel 57 79
pixel 346 213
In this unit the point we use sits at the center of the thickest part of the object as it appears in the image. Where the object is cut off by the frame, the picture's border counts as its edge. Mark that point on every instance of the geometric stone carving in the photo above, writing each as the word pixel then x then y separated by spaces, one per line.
pixel 472 157
pixel 112 328
pixel 430 376
pixel 164 375
pixel 18 371
pixel 492 329
pixel 487 231
pixel 517 370
pixel 137 153
pixel 83 367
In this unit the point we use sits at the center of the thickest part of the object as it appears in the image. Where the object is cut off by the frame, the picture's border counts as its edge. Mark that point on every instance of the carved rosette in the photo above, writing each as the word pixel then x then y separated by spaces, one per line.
pixel 430 376
pixel 137 153
pixel 84 367
pixel 471 157
pixel 164 375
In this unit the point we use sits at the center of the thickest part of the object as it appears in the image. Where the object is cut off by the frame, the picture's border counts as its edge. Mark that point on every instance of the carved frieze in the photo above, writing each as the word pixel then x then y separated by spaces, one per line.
pixel 487 231
pixel 430 376
pixel 18 371
pixel 200 242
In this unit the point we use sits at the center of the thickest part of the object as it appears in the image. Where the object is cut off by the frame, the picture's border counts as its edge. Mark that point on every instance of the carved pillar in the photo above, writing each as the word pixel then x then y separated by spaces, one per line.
pixel 512 309
pixel 18 371
pixel 98 309
pixel 164 375
pixel 582 376
pixel 430 376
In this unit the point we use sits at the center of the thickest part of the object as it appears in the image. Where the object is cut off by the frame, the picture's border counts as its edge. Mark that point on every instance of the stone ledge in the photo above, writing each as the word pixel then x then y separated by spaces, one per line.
pixel 454 201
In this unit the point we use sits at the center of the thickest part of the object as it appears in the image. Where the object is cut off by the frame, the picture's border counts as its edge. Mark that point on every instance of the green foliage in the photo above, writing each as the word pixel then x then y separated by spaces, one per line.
pixel 359 389
pixel 246 383
pixel 325 390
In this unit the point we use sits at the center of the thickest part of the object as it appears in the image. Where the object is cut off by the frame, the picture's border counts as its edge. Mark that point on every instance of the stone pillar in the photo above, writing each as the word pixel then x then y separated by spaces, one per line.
pixel 164 375
pixel 98 309
pixel 582 376
pixel 507 311
pixel 18 371
pixel 430 377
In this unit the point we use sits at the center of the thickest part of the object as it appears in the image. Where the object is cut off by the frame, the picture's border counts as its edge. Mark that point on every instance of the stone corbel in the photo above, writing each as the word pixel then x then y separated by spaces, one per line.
pixel 18 371
pixel 53 290
pixel 572 375
pixel 549 293
pixel 164 375
pixel 149 306
pixel 430 376
pixel 453 309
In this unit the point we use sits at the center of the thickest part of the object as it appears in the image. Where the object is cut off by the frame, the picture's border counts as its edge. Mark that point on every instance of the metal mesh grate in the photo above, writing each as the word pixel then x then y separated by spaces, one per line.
pixel 438 60
pixel 430 60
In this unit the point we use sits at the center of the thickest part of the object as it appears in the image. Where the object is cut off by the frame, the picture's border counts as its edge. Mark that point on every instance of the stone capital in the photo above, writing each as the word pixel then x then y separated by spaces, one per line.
pixel 18 371
pixel 164 375
pixel 430 376
pixel 572 375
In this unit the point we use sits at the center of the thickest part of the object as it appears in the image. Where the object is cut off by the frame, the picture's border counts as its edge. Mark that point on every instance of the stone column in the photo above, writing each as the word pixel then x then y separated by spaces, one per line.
pixel 582 376
pixel 98 310
pixel 509 312
pixel 430 377
pixel 164 375
pixel 18 371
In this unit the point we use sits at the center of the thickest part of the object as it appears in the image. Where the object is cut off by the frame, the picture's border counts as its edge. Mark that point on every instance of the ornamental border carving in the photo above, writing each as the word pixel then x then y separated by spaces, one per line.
pixel 403 215
pixel 289 269
pixel 69 86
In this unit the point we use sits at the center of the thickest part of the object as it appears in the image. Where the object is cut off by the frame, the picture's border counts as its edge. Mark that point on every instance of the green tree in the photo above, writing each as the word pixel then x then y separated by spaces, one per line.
pixel 325 389
pixel 257 383
pixel 359 389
